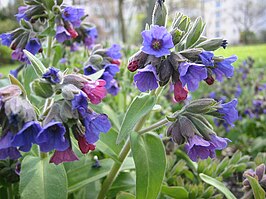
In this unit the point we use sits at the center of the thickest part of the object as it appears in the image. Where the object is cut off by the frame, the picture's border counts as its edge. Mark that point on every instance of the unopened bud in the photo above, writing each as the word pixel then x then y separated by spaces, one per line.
pixel 42 89
pixel 133 66
pixel 140 57
pixel 209 80
pixel 201 106
pixel 175 132
pixel 180 92
pixel 165 71
pixel 96 59
pixel 176 35
pixel 69 91
pixel 160 13
pixel 9 91
pixel 175 59
pixel 211 44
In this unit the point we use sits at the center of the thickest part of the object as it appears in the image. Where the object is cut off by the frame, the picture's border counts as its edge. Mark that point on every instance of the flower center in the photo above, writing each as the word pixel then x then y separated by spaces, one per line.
pixel 156 44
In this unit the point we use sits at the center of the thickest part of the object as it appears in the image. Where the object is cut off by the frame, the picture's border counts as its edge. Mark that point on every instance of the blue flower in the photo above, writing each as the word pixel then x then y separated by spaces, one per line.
pixel 114 51
pixel 114 88
pixel 224 68
pixel 33 46
pixel 63 156
pixel 238 91
pixel 157 41
pixel 146 78
pixel 73 15
pixel 22 13
pixel 6 39
pixel 90 69
pixel 191 74
pixel 52 75
pixel 112 69
pixel 229 112
pixel 206 58
pixel 26 136
pixel 107 77
pixel 52 137
pixel 6 149
pixel 80 103
pixel 14 72
pixel 92 35
pixel 62 34
pixel 197 147
pixel 19 55
pixel 94 125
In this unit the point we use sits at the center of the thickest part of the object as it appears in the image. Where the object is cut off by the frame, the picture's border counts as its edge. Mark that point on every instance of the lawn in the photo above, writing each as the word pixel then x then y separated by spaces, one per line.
pixel 257 52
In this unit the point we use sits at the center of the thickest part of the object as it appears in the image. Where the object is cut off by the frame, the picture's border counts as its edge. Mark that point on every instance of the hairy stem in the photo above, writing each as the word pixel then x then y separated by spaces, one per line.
pixel 10 191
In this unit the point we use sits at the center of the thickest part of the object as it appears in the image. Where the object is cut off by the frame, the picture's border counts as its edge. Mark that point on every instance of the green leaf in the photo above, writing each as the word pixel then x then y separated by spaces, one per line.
pixel 36 64
pixel 15 81
pixel 257 190
pixel 107 145
pixel 96 75
pixel 195 32
pixel 140 106
pixel 81 173
pixel 218 185
pixel 175 192
pixel 59 51
pixel 124 195
pixel 149 157
pixel 42 180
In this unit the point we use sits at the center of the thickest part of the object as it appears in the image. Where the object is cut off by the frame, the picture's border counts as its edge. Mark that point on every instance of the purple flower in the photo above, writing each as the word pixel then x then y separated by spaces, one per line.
pixel 73 15
pixel 114 51
pixel 112 69
pixel 52 137
pixel 80 103
pixel 238 91
pixel 114 88
pixel 6 149
pixel 22 13
pixel 146 78
pixel 74 47
pixel 19 55
pixel 157 41
pixel 62 34
pixel 107 77
pixel 33 46
pixel 63 156
pixel 224 68
pixel 191 74
pixel 14 72
pixel 63 60
pixel 197 147
pixel 90 69
pixel 52 75
pixel 229 112
pixel 206 58
pixel 26 136
pixel 92 35
pixel 6 39
pixel 95 124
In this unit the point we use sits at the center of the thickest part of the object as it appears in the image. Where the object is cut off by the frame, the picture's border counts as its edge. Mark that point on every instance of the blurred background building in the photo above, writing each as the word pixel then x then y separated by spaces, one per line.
pixel 238 21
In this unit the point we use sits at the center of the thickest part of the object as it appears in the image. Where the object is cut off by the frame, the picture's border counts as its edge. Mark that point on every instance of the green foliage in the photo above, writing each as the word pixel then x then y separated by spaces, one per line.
pixel 257 190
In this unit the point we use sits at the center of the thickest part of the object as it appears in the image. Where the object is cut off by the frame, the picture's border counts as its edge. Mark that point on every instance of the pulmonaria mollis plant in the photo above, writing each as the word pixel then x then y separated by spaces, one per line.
pixel 182 56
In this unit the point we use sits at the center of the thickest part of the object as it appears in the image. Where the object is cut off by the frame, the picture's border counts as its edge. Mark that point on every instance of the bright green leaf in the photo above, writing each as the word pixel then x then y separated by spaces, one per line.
pixel 149 157
pixel 15 81
pixel 175 192
pixel 139 107
pixel 36 64
pixel 124 195
pixel 195 32
pixel 96 75
pixel 218 185
pixel 257 190
pixel 42 180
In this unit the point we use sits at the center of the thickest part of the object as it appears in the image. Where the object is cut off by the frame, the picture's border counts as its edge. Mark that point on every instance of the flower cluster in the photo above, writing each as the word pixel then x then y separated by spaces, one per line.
pixel 192 128
pixel 71 113
pixel 108 61
pixel 156 64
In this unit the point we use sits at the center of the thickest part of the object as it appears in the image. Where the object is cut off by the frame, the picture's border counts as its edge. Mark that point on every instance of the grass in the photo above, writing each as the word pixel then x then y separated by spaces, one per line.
pixel 257 52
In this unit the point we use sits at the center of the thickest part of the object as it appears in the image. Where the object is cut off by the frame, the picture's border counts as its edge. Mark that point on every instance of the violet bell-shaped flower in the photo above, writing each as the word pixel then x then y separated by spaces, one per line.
pixel 146 78
pixel 62 34
pixel 157 41
pixel 63 156
pixel 224 68
pixel 191 74
pixel 114 51
pixel 229 112
pixel 95 90
pixel 73 15
pixel 206 58
pixel 6 149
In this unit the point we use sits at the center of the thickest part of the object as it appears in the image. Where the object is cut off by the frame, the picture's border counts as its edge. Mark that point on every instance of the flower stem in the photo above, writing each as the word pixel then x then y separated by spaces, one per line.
pixel 154 126
pixel 10 191
pixel 49 47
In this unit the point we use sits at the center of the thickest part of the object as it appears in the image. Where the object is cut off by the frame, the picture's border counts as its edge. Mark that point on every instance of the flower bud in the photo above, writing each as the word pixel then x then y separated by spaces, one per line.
pixel 209 80
pixel 160 13
pixel 180 92
pixel 175 132
pixel 133 66
pixel 42 89
pixel 69 91
pixel 25 24
pixel 74 79
pixel 66 113
pixel 155 61
pixel 165 71
pixel 116 62
pixel 140 58
pixel 191 54
pixel 201 106
pixel 211 44
pixel 175 59
pixel 96 59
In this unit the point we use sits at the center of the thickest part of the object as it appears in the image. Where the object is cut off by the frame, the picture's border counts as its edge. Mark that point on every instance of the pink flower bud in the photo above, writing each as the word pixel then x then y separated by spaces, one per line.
pixel 180 93
pixel 133 66
pixel 84 146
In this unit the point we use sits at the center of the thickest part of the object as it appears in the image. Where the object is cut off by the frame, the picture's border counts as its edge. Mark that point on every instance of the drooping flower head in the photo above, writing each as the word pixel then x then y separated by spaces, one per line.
pixel 52 75
pixel 114 88
pixel 52 136
pixel 157 41
pixel 229 111
pixel 22 13
pixel 80 103
pixel 180 92
pixel 114 51
pixel 191 74
pixel 63 156
pixel 84 146
pixel 19 55
pixel 92 35
pixel 26 136
pixel 197 147
pixel 62 34
pixel 95 124
pixel 6 149
pixel 33 46
pixel 146 78
pixel 73 15
pixel 95 90
pixel 224 68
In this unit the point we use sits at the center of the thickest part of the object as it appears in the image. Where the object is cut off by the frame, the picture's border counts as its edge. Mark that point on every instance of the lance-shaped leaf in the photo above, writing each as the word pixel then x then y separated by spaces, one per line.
pixel 195 32
pixel 149 157
pixel 139 107
pixel 218 185
pixel 15 81
pixel 37 65
pixel 175 192
pixel 257 190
